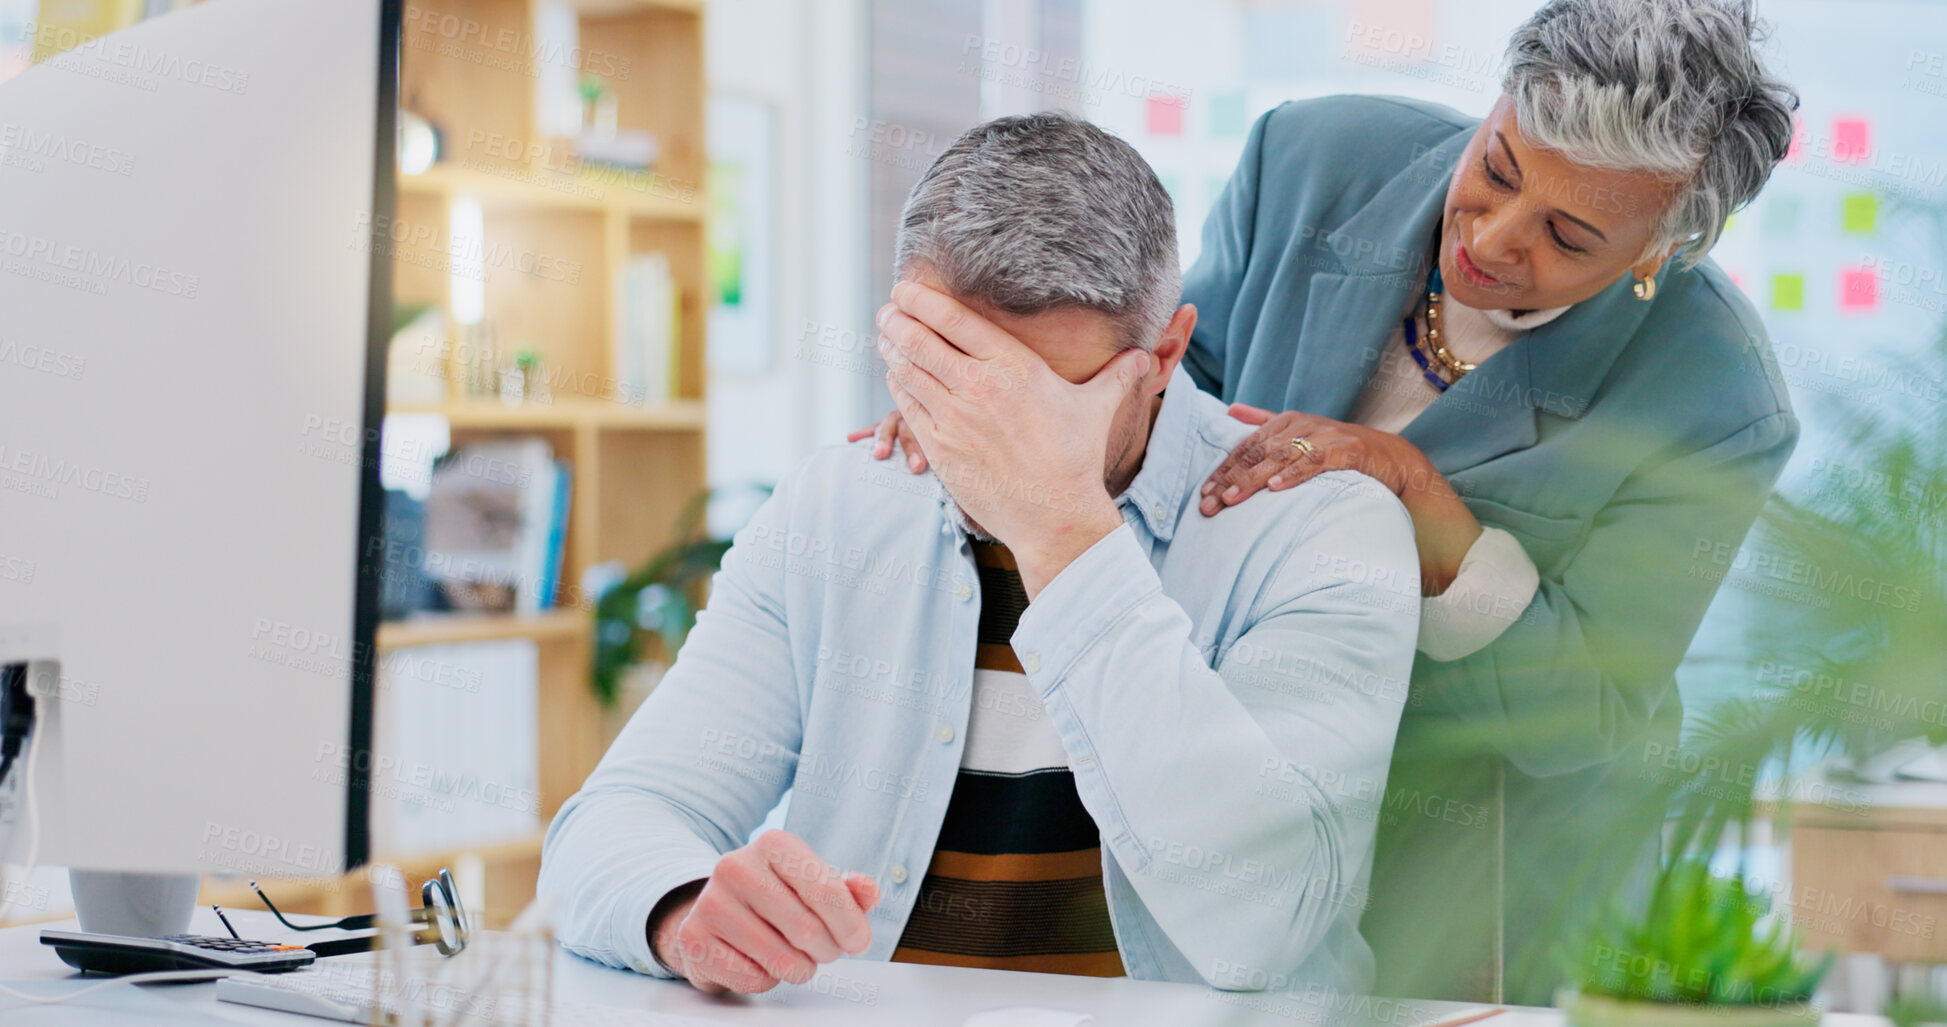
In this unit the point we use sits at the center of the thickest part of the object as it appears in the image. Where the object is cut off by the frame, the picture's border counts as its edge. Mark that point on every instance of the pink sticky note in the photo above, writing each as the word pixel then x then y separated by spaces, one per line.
pixel 1858 289
pixel 1165 116
pixel 1850 140
pixel 1798 138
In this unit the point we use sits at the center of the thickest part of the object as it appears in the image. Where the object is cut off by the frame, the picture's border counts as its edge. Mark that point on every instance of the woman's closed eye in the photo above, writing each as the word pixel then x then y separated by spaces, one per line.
pixel 1501 182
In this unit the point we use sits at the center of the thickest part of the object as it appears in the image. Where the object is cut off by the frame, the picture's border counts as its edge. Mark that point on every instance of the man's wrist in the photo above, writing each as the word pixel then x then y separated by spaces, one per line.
pixel 665 919
pixel 1042 559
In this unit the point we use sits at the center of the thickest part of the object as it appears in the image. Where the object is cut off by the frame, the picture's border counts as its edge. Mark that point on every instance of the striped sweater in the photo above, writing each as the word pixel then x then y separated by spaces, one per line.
pixel 1015 881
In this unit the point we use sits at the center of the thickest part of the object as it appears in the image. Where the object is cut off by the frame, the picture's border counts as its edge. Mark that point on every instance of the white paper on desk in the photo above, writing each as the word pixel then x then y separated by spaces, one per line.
pixel 128 1005
pixel 1028 1016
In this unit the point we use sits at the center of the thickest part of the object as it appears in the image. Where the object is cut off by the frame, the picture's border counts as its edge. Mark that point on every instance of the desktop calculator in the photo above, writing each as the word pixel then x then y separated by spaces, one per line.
pixel 115 954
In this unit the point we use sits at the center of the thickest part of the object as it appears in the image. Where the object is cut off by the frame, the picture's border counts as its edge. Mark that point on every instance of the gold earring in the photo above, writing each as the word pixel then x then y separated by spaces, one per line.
pixel 1645 287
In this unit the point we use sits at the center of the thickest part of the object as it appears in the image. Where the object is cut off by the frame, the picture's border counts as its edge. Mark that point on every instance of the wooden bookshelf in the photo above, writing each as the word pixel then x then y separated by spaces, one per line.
pixel 486 415
pixel 453 628
pixel 544 189
pixel 634 467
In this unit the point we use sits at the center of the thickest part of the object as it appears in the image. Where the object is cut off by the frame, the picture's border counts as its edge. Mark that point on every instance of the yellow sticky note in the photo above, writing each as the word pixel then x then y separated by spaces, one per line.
pixel 1788 292
pixel 1859 212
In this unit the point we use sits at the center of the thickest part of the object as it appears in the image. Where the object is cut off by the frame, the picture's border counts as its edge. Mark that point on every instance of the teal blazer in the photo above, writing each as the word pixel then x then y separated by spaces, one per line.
pixel 1627 444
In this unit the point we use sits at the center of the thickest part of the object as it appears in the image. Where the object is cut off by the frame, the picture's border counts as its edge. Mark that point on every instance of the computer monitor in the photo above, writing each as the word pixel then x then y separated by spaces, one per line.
pixel 192 322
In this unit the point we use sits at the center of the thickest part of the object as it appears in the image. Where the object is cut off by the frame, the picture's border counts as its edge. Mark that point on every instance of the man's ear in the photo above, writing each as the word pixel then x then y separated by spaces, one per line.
pixel 1170 347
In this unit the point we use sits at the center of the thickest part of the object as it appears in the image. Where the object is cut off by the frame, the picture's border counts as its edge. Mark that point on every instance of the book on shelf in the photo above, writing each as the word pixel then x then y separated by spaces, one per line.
pixel 496 525
pixel 644 338
pixel 557 546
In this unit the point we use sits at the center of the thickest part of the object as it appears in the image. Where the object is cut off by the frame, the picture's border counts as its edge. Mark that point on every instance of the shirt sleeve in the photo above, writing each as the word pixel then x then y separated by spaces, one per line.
pixel 1239 797
pixel 658 811
pixel 1497 581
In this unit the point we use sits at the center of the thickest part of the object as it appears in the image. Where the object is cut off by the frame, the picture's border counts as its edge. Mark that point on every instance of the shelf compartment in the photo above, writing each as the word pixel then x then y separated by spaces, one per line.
pixel 450 628
pixel 488 415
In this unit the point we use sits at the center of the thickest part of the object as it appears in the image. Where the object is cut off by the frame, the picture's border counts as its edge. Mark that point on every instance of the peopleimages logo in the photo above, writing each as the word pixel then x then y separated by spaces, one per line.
pixel 56 146
pixel 81 260
pixel 46 471
pixel 447 33
pixel 76 46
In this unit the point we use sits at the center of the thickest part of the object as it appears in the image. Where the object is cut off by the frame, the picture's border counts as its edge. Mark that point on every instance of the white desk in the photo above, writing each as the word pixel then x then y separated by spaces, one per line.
pixel 845 994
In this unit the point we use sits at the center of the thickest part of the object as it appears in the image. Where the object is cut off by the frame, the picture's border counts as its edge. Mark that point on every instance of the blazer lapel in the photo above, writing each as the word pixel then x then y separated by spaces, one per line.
pixel 1381 252
pixel 1347 318
pixel 1484 415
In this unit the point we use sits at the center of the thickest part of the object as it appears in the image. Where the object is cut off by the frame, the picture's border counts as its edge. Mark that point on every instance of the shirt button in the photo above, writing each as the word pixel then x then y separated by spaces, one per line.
pixel 944 734
pixel 1161 511
pixel 898 875
pixel 1032 662
pixel 963 593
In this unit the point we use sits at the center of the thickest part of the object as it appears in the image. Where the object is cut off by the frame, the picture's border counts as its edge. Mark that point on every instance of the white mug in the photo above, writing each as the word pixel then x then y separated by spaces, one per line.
pixel 133 905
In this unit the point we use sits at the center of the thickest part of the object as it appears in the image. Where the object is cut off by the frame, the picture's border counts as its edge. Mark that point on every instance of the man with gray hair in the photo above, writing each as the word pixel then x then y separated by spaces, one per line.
pixel 1032 714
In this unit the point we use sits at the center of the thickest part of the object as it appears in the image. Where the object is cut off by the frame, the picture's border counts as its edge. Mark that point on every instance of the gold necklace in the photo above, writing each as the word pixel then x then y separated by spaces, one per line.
pixel 1434 349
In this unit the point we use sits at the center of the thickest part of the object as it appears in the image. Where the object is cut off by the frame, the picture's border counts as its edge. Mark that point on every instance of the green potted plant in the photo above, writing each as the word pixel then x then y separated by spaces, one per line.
pixel 1916 1011
pixel 658 600
pixel 1703 953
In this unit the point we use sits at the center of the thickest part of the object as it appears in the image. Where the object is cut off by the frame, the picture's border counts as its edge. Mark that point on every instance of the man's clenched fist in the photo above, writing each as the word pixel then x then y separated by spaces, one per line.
pixel 770 911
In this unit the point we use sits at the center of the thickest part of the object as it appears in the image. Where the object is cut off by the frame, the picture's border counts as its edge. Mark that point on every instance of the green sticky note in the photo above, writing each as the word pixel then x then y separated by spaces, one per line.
pixel 1859 212
pixel 1227 115
pixel 1788 292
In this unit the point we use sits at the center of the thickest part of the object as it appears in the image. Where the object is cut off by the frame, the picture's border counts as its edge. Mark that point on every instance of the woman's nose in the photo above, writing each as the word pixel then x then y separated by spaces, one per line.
pixel 1496 238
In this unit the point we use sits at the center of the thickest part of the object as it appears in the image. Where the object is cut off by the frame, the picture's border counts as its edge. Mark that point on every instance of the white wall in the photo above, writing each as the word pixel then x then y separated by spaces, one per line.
pixel 806 58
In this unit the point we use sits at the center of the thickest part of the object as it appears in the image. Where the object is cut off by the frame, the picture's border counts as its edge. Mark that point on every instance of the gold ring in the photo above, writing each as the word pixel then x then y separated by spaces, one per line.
pixel 1302 445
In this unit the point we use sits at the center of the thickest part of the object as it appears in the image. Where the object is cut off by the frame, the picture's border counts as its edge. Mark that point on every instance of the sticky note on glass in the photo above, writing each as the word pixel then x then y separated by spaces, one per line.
pixel 1165 116
pixel 1780 214
pixel 1858 290
pixel 1227 115
pixel 1859 212
pixel 1788 292
pixel 1851 139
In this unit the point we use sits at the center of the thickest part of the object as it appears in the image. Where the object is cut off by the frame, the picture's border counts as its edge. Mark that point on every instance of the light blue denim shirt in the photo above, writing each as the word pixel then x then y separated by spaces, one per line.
pixel 1236 805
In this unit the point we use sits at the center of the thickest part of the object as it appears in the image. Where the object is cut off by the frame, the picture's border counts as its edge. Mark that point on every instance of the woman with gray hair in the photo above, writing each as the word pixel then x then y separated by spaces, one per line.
pixel 1513 324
